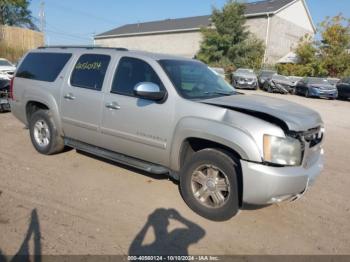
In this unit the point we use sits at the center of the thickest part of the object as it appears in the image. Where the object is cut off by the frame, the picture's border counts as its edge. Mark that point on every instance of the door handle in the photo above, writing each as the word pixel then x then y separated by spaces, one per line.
pixel 113 106
pixel 69 96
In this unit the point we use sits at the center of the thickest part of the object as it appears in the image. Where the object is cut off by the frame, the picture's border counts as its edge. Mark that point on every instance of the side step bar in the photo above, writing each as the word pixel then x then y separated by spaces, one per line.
pixel 120 158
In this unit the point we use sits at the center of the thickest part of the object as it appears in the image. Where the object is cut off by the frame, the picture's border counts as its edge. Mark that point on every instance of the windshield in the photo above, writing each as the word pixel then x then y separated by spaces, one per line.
pixel 5 63
pixel 295 78
pixel 333 81
pixel 244 71
pixel 317 81
pixel 194 80
pixel 267 73
pixel 280 78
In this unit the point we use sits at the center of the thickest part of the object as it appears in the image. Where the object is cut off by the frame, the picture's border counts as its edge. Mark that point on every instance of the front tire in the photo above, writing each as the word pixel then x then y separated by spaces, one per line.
pixel 209 186
pixel 307 93
pixel 44 134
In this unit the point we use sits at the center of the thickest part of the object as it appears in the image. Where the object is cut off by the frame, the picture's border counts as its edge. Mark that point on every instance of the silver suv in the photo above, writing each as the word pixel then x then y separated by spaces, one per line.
pixel 172 116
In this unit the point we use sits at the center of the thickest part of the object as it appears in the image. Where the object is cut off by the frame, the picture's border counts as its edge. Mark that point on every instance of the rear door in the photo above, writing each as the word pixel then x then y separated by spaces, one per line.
pixel 82 98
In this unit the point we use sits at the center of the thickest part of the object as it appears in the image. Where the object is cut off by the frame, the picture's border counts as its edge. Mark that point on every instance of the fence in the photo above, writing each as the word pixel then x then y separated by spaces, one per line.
pixel 15 41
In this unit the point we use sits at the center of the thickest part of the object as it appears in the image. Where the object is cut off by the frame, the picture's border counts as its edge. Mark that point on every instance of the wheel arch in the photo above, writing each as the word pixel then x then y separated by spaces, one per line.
pixel 192 145
pixel 35 103
pixel 211 133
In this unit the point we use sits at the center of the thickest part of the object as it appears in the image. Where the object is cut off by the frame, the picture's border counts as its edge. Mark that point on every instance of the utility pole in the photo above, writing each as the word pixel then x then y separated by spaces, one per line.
pixel 42 18
pixel 93 38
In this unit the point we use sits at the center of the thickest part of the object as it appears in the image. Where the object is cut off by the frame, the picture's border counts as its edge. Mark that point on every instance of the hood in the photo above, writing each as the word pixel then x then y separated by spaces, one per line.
pixel 283 82
pixel 7 68
pixel 323 86
pixel 288 115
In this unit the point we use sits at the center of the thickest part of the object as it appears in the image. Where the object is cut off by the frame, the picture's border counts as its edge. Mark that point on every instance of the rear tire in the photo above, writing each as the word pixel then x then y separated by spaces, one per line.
pixel 43 133
pixel 209 186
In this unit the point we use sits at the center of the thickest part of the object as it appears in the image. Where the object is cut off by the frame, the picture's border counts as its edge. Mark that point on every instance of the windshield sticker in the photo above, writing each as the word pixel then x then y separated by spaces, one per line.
pixel 89 66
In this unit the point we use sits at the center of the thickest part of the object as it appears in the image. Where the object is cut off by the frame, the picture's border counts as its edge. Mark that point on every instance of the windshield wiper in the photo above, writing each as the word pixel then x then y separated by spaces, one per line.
pixel 221 93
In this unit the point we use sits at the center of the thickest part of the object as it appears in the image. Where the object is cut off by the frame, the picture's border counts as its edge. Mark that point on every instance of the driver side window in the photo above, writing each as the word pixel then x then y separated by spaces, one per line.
pixel 130 72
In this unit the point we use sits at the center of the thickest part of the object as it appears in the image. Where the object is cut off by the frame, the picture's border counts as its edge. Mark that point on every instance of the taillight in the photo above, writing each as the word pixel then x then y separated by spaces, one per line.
pixel 11 89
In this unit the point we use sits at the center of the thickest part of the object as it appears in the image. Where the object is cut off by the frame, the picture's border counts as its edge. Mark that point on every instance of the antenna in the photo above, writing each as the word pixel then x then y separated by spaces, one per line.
pixel 42 17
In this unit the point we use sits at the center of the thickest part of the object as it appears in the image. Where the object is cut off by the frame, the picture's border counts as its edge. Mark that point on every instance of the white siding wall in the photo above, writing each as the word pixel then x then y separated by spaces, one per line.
pixel 297 14
pixel 258 27
pixel 283 38
pixel 181 44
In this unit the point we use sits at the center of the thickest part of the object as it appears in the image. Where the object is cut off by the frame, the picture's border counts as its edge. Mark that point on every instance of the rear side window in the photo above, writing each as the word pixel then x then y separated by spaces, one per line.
pixel 130 72
pixel 43 66
pixel 90 70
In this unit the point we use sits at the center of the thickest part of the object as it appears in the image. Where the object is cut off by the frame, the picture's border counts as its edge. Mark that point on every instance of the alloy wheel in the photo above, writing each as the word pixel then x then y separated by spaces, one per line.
pixel 210 186
pixel 42 134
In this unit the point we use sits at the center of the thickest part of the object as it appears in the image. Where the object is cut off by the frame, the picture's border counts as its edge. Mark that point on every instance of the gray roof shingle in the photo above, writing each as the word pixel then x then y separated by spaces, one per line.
pixel 267 6
pixel 188 23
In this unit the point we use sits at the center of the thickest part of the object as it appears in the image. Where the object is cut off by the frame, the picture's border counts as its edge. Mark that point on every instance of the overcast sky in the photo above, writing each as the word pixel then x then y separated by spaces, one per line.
pixel 76 21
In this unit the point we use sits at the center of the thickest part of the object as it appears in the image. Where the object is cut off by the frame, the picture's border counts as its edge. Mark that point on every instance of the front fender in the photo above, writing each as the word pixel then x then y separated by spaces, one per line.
pixel 218 132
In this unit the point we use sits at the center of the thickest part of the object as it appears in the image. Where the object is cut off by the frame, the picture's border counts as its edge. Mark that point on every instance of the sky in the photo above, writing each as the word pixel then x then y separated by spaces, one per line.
pixel 73 22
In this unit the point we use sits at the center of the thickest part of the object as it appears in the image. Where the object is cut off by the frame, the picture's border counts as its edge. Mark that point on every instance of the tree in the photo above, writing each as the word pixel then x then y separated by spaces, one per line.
pixel 16 13
pixel 335 45
pixel 229 43
pixel 309 59
pixel 328 57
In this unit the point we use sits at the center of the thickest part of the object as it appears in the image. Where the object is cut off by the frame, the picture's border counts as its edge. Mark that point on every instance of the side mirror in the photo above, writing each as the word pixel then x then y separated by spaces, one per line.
pixel 148 90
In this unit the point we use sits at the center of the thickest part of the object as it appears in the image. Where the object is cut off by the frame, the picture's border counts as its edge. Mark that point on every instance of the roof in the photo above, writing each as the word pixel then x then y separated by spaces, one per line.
pixel 192 23
pixel 290 58
pixel 110 51
pixel 266 7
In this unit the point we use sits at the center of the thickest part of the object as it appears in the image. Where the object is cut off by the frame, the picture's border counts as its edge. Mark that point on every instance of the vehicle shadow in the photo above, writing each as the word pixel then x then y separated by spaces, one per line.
pixel 250 207
pixel 175 242
pixel 135 170
pixel 33 232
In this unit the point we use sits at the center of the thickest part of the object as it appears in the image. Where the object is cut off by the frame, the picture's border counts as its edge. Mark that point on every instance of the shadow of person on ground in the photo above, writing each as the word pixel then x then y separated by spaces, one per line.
pixel 175 242
pixel 23 254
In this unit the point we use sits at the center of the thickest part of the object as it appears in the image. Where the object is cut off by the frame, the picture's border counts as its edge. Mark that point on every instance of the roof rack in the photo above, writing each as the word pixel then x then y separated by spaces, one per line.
pixel 84 46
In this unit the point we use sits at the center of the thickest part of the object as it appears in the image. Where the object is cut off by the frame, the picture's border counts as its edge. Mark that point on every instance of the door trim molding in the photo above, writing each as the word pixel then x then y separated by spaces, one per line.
pixel 77 123
pixel 134 138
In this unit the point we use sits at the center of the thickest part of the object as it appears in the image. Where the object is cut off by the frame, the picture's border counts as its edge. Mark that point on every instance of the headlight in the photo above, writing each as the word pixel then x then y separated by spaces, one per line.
pixel 315 89
pixel 282 151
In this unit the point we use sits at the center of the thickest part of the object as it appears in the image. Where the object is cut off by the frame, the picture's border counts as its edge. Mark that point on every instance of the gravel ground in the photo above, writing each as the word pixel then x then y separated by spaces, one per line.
pixel 72 203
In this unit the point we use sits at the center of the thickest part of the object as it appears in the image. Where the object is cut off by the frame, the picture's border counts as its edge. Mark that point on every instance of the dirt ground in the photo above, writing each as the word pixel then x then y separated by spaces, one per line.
pixel 72 203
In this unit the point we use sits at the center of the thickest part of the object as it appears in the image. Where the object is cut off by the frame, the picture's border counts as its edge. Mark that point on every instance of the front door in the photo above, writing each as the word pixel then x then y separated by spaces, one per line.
pixel 133 126
pixel 82 98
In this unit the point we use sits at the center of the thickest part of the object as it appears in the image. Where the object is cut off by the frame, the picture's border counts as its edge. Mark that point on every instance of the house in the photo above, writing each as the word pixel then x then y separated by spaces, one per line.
pixel 279 23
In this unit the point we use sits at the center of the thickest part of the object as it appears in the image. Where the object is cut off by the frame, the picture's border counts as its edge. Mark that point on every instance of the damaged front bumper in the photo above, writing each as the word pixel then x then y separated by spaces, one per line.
pixel 4 103
pixel 246 85
pixel 263 184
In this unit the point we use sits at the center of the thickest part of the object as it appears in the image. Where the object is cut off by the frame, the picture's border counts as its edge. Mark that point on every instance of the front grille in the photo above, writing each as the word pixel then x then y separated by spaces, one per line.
pixel 313 137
